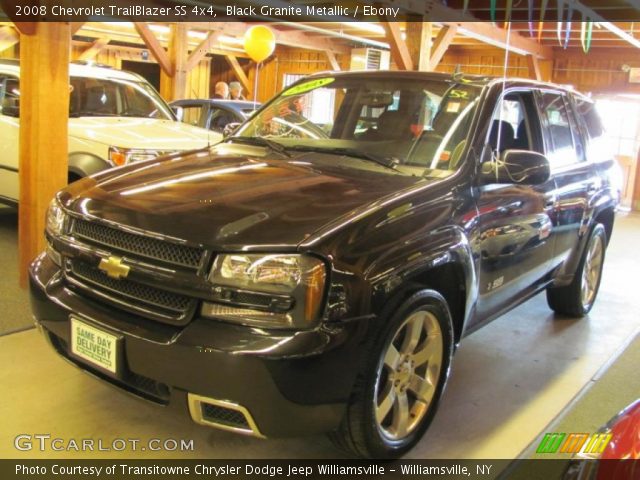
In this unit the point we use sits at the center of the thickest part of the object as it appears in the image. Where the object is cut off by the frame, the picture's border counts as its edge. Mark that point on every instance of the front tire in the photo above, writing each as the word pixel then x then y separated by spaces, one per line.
pixel 577 298
pixel 396 396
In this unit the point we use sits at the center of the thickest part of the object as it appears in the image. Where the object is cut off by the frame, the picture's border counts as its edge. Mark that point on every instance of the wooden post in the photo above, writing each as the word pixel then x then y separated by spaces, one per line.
pixel 174 87
pixel 44 115
pixel 419 43
pixel 399 51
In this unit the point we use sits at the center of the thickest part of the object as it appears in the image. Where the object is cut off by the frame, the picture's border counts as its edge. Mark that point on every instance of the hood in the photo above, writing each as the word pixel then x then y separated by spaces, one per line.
pixel 231 196
pixel 143 133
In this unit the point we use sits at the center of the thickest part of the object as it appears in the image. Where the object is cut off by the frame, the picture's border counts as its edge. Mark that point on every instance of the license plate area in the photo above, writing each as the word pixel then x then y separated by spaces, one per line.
pixel 94 346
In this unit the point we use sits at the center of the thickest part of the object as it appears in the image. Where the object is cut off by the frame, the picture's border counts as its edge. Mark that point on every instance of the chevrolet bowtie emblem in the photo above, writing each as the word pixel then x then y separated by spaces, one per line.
pixel 114 268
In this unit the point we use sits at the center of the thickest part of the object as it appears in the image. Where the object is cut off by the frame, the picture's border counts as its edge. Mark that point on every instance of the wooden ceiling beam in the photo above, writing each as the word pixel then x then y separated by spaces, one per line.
pixel 201 50
pixel 94 49
pixel 441 44
pixel 498 37
pixel 75 26
pixel 333 61
pixel 9 36
pixel 399 50
pixel 290 38
pixel 240 74
pixel 152 43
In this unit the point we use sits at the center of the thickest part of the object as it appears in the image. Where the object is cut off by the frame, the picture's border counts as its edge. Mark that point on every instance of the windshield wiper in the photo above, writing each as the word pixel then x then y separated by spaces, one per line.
pixel 261 142
pixel 387 162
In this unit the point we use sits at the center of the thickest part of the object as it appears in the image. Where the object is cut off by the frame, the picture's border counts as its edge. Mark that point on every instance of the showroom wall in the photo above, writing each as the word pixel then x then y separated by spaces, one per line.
pixel 285 61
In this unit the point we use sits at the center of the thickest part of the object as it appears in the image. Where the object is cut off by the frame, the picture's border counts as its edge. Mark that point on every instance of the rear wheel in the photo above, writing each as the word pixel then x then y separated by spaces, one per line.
pixel 396 396
pixel 577 298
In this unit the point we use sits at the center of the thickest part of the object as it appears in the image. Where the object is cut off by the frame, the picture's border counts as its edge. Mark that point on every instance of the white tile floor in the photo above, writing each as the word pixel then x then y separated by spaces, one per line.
pixel 509 380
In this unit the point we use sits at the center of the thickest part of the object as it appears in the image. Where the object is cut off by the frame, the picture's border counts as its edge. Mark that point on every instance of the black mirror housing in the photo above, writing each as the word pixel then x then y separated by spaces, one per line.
pixel 522 167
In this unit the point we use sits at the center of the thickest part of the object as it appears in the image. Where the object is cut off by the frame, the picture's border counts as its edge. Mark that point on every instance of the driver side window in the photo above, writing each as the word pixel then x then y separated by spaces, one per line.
pixel 515 124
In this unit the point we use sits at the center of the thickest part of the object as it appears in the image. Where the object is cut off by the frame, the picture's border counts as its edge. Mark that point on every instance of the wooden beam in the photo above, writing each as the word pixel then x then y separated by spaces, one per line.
pixel 75 26
pixel 8 37
pixel 492 35
pixel 534 67
pixel 154 46
pixel 240 75
pixel 441 44
pixel 333 61
pixel 290 38
pixel 26 28
pixel 95 48
pixel 174 86
pixel 201 50
pixel 419 43
pixel 399 51
pixel 44 115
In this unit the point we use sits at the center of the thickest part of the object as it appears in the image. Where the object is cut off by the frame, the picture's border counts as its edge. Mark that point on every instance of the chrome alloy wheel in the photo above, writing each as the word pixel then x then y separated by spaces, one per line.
pixel 407 375
pixel 591 270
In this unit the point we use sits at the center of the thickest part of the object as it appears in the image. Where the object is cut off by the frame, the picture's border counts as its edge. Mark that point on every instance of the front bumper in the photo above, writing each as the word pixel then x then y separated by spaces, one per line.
pixel 282 383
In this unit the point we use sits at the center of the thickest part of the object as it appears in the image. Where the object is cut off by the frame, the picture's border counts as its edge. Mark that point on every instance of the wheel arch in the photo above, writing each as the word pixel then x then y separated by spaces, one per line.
pixel 448 268
pixel 83 164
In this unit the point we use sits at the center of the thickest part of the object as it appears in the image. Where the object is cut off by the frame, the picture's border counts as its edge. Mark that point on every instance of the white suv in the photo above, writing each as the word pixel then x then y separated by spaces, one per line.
pixel 115 117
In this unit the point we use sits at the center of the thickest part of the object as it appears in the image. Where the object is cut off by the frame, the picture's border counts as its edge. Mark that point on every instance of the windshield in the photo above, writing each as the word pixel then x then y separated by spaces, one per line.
pixel 98 97
pixel 416 126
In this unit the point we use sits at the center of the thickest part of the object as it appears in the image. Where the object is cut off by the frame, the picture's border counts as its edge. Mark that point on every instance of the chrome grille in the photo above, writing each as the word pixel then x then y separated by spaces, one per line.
pixel 140 245
pixel 131 295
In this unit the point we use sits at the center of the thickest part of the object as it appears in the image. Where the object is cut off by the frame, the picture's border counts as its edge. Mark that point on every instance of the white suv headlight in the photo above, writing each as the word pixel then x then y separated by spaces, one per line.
pixel 123 156
pixel 272 291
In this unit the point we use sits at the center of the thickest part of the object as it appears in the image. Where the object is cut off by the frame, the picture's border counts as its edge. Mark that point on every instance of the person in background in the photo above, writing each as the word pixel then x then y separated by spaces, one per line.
pixel 221 91
pixel 235 91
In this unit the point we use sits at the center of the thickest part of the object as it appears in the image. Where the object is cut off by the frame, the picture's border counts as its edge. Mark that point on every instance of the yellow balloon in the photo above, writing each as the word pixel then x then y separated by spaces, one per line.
pixel 259 43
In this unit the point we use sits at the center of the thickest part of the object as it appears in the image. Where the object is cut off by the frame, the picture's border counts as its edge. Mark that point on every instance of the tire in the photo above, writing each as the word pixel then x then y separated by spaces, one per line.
pixel 405 371
pixel 577 298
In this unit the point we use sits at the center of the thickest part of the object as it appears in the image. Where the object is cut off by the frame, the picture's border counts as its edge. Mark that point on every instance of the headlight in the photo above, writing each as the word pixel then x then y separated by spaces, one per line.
pixel 55 218
pixel 273 291
pixel 122 156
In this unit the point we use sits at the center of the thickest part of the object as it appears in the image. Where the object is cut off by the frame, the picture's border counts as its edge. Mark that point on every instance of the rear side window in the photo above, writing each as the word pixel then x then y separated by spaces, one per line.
pixel 555 116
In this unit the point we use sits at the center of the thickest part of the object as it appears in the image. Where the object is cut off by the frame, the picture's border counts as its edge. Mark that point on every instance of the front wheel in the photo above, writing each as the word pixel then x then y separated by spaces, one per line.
pixel 577 298
pixel 397 394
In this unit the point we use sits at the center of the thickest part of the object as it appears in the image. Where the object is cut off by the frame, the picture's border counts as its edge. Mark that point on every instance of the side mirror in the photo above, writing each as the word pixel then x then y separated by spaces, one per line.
pixel 230 128
pixel 520 167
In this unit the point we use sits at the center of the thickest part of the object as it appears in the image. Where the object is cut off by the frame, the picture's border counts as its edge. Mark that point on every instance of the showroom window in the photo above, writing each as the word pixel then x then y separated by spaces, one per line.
pixel 621 118
pixel 320 103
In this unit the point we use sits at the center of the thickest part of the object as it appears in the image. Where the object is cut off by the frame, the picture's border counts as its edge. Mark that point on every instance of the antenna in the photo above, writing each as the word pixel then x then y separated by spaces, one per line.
pixel 501 102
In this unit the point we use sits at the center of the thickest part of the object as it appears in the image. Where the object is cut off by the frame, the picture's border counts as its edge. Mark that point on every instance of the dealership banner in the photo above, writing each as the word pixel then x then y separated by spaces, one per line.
pixel 286 10
pixel 318 469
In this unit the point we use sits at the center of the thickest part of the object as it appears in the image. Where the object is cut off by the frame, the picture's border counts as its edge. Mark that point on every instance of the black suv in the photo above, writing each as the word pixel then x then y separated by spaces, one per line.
pixel 315 271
